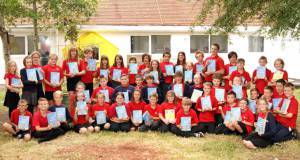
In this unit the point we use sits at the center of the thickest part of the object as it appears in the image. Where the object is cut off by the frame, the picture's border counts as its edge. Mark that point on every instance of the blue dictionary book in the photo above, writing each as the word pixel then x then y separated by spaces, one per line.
pixel 100 117
pixel 126 97
pixel 23 123
pixel 178 90
pixel 73 67
pixel 15 82
pixel 92 64
pixel 104 73
pixel 211 67
pixel 87 95
pixel 155 75
pixel 235 113
pixel 150 91
pixel 169 70
pixel 252 105
pixel 137 116
pixel 31 74
pixel 188 76
pixel 51 117
pixel 275 102
pixel 179 68
pixel 116 74
pixel 199 68
pixel 260 126
pixel 81 108
pixel 133 67
pixel 54 77
pixel 206 103
pixel 227 117
pixel 40 74
pixel 220 94
pixel 60 114
pixel 106 94
pixel 185 123
pixel 147 118
pixel 121 112
pixel 285 105
pixel 232 69
pixel 238 90
pixel 260 72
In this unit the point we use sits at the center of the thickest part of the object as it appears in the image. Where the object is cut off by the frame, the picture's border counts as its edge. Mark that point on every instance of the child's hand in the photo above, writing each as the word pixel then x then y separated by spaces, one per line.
pixel 165 74
pixel 172 121
pixel 220 108
pixel 49 127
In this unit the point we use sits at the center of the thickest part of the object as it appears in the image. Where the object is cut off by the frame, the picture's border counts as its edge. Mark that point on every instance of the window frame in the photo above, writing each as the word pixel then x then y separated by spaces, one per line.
pixel 209 41
pixel 263 47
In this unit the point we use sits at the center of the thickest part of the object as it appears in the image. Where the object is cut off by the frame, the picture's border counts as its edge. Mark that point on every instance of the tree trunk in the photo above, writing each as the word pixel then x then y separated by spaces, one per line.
pixel 5 41
pixel 35 27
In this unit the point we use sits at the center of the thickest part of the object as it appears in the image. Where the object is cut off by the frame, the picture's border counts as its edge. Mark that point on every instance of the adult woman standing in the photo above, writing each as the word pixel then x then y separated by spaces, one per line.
pixel 36 63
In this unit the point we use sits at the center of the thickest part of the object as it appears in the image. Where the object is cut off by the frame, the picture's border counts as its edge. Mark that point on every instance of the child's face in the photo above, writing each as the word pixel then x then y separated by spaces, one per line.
pixel 13 68
pixel 214 50
pixel 136 95
pixel 36 59
pixel 240 65
pixel 189 66
pixel 199 57
pixel 53 60
pixel 80 96
pixel 170 98
pixel 124 80
pixel 149 81
pixel 103 82
pixel 217 82
pixel 237 81
pixel 232 60
pixel 197 80
pixel 262 62
pixel 267 93
pixel 146 59
pixel 278 65
pixel 186 108
pixel 206 89
pixel 178 79
pixel 166 58
pixel 254 95
pixel 181 57
pixel 262 106
pixel 139 81
pixel 119 99
pixel 153 100
pixel 57 98
pixel 43 105
pixel 243 104
pixel 101 99
pixel 28 63
pixel 154 65
pixel 73 53
pixel 279 88
pixel 132 61
pixel 288 91
pixel 88 55
pixel 230 99
pixel 22 107
pixel 104 62
pixel 118 61
pixel 79 88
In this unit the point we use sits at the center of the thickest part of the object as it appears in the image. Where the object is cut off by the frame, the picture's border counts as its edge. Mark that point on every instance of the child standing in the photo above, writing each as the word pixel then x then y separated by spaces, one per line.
pixel 118 69
pixel 199 65
pixel 12 90
pixel 132 61
pixel 261 82
pixel 168 78
pixel 36 63
pixel 280 73
pixel 229 68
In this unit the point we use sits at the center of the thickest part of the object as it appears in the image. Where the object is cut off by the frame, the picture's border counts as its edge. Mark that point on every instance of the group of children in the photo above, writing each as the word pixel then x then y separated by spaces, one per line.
pixel 186 99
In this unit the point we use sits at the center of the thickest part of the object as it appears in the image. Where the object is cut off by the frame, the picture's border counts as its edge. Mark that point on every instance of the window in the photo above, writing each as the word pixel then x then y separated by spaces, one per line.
pixel 203 43
pixel 160 43
pixel 139 44
pixel 44 46
pixel 17 45
pixel 256 44
pixel 199 42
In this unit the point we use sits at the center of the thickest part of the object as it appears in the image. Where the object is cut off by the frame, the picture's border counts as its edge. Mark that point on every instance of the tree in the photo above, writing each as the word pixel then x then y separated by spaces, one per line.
pixel 277 17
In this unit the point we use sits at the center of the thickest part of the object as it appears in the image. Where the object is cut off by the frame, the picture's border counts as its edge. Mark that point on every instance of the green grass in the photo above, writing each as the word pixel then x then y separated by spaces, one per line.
pixel 134 145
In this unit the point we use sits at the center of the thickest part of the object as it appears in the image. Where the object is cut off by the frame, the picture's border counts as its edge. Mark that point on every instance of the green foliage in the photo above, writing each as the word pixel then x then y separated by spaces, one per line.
pixel 277 17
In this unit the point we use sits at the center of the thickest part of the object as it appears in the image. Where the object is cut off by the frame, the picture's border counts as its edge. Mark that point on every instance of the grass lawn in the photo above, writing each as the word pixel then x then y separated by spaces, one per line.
pixel 134 145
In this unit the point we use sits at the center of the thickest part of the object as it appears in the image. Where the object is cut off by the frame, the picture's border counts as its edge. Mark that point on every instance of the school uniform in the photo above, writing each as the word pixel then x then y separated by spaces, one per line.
pixel 29 90
pixel 249 117
pixel 65 126
pixel 266 139
pixel 226 73
pixel 260 84
pixel 194 124
pixel 49 90
pixel 95 108
pixel 82 120
pixel 11 98
pixel 153 112
pixel 218 115
pixel 186 90
pixel 145 93
pixel 71 81
pixel 219 65
pixel 286 126
pixel 40 92
pixel 124 70
pixel 14 118
pixel 245 79
pixel 123 126
pixel 207 118
pixel 142 67
pixel 221 128
pixel 133 106
pixel 40 120
pixel 99 89
pixel 168 80
pixel 285 75
pixel 167 106
pixel 88 77
pixel 197 87
pixel 121 88
pixel 195 67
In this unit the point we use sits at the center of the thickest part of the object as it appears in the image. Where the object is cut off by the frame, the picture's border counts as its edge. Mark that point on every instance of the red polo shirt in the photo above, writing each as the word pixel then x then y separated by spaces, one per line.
pixel 14 118
pixel 207 116
pixel 248 116
pixel 168 79
pixel 47 70
pixel 191 113
pixel 293 108
pixel 260 84
pixel 39 120
pixel 219 65
pixel 153 112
